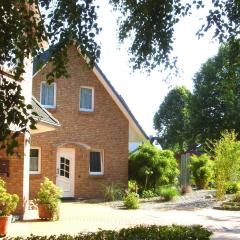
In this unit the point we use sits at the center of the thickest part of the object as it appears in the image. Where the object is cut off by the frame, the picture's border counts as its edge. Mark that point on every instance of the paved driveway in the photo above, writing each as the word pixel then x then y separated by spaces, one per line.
pixel 79 217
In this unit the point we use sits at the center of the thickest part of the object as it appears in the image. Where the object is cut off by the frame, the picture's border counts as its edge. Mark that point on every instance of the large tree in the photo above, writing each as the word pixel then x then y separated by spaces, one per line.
pixel 172 120
pixel 150 24
pixel 215 104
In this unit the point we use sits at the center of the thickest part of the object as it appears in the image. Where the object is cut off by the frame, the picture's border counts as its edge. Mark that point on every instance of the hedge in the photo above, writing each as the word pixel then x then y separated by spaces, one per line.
pixel 174 232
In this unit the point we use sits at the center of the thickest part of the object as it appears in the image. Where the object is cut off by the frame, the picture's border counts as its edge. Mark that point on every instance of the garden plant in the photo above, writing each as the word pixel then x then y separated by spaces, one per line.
pixel 227 161
pixel 151 167
pixel 8 204
pixel 201 168
pixel 131 200
pixel 113 192
pixel 48 199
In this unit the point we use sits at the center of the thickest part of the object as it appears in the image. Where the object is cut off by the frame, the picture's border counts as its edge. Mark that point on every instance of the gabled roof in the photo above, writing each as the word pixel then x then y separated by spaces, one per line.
pixel 41 60
pixel 43 115
pixel 120 99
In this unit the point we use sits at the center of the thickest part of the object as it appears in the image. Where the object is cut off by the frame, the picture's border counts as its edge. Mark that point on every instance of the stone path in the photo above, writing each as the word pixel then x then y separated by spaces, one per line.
pixel 82 217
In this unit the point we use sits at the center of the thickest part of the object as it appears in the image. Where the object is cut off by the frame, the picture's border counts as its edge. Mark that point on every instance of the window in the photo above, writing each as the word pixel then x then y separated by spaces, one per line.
pixel 96 163
pixel 86 99
pixel 48 95
pixel 34 160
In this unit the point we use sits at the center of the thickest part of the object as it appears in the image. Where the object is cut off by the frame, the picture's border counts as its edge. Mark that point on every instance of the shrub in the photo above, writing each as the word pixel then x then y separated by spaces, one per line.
pixel 132 186
pixel 201 168
pixel 168 193
pixel 236 197
pixel 227 162
pixel 153 232
pixel 113 192
pixel 150 166
pixel 148 193
pixel 233 187
pixel 131 201
pixel 8 202
pixel 49 195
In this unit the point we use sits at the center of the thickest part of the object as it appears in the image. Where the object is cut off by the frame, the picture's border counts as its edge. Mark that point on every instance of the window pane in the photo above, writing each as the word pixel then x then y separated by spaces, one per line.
pixel 47 92
pixel 33 152
pixel 66 174
pixel 34 158
pixel 86 98
pixel 95 162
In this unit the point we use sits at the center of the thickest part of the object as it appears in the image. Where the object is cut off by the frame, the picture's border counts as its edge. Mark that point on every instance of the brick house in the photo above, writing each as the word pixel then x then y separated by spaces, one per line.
pixel 90 149
pixel 14 170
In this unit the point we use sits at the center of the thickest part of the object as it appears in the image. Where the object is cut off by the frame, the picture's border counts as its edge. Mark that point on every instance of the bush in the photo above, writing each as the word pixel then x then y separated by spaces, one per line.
pixel 168 193
pixel 113 192
pixel 131 201
pixel 233 187
pixel 153 232
pixel 49 195
pixel 150 167
pixel 233 204
pixel 132 186
pixel 148 193
pixel 227 162
pixel 236 197
pixel 201 168
pixel 8 202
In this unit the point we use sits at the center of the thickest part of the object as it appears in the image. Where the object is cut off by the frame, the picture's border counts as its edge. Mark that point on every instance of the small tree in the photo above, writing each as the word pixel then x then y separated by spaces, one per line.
pixel 201 168
pixel 150 166
pixel 227 161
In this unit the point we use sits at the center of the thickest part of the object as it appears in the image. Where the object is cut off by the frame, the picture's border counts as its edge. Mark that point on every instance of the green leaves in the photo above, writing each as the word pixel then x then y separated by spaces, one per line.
pixel 172 120
pixel 201 168
pixel 8 202
pixel 151 167
pixel 227 161
pixel 150 27
pixel 215 103
pixel 14 114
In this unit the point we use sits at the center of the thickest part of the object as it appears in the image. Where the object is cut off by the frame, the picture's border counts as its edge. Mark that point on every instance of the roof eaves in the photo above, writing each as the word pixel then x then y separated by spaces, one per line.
pixel 54 121
pixel 120 98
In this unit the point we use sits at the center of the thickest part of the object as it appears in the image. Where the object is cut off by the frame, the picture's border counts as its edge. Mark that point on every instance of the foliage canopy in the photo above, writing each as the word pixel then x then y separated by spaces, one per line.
pixel 150 166
pixel 172 119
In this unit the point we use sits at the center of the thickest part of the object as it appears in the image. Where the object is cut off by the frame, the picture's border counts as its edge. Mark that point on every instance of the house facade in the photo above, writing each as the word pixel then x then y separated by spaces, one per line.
pixel 90 149
pixel 14 169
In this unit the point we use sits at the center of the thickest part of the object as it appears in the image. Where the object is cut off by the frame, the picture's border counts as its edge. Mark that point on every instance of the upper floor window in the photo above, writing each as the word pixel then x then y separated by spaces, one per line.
pixel 34 160
pixel 48 95
pixel 86 99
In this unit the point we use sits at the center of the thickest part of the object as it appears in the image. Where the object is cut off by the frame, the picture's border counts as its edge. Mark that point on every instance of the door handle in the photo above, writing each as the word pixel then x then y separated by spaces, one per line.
pixel 57 171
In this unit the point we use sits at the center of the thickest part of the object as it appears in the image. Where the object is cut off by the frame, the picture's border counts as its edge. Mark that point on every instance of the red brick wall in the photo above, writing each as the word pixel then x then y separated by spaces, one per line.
pixel 106 128
pixel 14 182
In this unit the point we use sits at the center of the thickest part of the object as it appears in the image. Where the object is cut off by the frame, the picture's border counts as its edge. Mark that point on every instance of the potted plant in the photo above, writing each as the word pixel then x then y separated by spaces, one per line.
pixel 8 204
pixel 48 200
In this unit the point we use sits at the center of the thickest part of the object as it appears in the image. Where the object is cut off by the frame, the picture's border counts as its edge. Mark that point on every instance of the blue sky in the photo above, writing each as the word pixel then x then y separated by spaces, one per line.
pixel 142 92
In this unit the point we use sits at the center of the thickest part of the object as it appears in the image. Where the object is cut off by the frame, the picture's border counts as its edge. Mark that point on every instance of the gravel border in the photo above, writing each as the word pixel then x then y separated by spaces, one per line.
pixel 194 200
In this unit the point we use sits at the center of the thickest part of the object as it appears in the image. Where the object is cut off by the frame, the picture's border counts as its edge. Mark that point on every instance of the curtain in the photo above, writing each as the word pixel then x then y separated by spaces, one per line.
pixel 47 97
pixel 86 98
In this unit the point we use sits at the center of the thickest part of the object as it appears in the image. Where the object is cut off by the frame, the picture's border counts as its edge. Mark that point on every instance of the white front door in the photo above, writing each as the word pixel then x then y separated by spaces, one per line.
pixel 65 171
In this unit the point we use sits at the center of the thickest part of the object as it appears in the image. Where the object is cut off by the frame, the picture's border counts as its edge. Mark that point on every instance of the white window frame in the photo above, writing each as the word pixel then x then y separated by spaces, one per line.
pixel 101 161
pixel 86 109
pixel 54 99
pixel 39 160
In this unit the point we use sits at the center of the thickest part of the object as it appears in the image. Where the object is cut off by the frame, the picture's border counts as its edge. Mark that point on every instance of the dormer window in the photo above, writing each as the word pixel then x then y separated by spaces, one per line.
pixel 48 95
pixel 86 99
